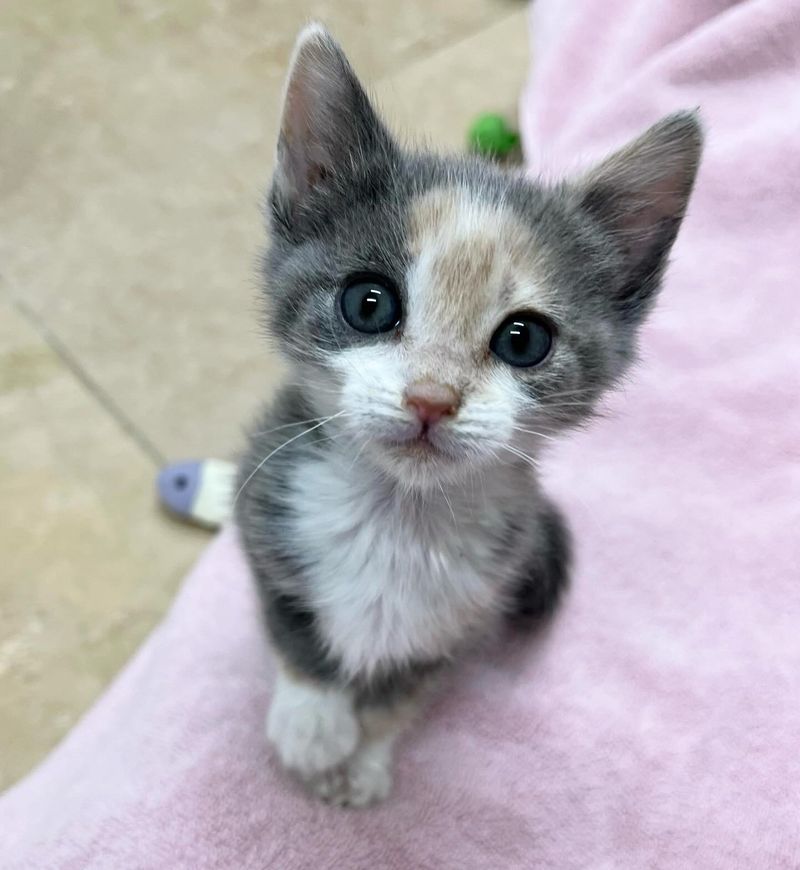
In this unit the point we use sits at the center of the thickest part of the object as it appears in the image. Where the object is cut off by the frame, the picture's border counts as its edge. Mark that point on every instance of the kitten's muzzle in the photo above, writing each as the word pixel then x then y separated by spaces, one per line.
pixel 431 402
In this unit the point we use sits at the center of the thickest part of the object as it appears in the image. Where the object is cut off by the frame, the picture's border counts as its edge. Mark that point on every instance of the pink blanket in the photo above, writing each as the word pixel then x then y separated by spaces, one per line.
pixel 657 724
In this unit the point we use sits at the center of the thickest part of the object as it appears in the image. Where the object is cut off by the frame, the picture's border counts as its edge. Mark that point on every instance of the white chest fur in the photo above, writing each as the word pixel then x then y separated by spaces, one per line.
pixel 391 579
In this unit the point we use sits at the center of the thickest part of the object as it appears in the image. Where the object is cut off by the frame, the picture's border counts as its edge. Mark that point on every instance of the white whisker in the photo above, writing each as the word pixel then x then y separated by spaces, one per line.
pixel 289 425
pixel 534 432
pixel 522 455
pixel 449 503
pixel 358 453
pixel 280 447
pixel 580 392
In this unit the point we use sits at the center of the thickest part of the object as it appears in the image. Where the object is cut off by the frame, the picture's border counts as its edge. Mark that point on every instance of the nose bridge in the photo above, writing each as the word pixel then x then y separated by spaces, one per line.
pixel 438 322
pixel 444 364
pixel 435 342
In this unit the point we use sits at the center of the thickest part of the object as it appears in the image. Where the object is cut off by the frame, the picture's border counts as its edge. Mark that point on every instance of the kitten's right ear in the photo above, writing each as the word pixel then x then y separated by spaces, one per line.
pixel 327 120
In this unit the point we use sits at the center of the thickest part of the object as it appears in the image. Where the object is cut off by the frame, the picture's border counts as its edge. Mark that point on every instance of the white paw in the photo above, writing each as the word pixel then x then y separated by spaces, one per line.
pixel 313 729
pixel 364 779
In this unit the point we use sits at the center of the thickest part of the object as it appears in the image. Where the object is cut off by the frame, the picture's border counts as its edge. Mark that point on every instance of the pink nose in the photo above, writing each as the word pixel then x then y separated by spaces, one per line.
pixel 431 401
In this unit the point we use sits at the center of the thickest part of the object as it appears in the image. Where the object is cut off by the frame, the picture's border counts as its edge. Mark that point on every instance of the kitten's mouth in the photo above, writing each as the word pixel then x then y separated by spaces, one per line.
pixel 420 446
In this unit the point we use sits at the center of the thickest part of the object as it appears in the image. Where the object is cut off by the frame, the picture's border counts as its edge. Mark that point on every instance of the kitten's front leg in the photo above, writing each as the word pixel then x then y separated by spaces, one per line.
pixel 317 735
pixel 312 725
pixel 366 777
pixel 340 746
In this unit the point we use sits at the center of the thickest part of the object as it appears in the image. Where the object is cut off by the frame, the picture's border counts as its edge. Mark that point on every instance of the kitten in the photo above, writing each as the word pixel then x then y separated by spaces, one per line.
pixel 442 319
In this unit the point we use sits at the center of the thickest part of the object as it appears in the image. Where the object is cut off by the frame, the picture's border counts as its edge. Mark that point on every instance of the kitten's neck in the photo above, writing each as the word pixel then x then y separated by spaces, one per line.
pixel 476 486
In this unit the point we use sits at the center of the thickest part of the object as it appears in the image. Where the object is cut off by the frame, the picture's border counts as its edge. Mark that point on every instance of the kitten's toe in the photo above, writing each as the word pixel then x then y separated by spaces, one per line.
pixel 311 729
pixel 331 786
pixel 369 774
pixel 364 779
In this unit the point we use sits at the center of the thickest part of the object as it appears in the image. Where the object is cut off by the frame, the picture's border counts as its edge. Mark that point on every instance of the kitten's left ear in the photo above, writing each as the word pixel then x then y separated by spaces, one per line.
pixel 639 196
pixel 327 122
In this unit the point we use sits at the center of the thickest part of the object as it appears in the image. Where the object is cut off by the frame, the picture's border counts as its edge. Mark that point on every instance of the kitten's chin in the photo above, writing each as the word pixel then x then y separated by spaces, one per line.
pixel 419 464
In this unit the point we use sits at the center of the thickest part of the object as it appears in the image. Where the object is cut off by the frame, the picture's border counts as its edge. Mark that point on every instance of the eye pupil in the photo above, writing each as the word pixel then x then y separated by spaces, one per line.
pixel 520 337
pixel 370 304
pixel 523 340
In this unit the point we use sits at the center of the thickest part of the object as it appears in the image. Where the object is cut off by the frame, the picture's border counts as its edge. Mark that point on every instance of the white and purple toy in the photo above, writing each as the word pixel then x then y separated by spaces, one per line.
pixel 198 490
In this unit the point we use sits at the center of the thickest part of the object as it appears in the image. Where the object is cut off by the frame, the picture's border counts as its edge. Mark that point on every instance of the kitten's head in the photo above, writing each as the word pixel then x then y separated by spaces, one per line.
pixel 452 314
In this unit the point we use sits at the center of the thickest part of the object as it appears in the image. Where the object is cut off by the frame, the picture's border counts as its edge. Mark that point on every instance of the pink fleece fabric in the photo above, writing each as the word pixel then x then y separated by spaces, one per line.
pixel 656 724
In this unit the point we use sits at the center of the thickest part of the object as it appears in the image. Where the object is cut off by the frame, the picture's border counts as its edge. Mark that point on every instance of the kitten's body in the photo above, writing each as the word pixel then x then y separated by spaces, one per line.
pixel 371 589
pixel 394 579
pixel 388 501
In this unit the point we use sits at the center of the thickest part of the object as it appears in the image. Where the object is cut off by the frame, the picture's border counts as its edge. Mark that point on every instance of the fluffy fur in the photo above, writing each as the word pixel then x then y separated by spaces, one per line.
pixel 380 553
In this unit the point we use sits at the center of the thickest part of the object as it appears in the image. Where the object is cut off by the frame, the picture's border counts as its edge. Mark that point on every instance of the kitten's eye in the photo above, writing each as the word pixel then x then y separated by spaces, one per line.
pixel 370 304
pixel 522 340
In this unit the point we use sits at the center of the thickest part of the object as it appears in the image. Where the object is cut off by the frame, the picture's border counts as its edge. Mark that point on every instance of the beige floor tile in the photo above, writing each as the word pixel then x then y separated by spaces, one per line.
pixel 89 564
pixel 435 99
pixel 141 138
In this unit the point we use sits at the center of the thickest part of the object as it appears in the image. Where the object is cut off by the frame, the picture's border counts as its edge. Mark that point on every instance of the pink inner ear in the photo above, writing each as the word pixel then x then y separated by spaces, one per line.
pixel 295 171
pixel 318 97
pixel 327 117
pixel 663 197
pixel 643 188
pixel 642 213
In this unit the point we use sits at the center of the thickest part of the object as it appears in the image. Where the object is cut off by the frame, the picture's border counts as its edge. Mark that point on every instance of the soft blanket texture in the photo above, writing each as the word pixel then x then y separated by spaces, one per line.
pixel 657 723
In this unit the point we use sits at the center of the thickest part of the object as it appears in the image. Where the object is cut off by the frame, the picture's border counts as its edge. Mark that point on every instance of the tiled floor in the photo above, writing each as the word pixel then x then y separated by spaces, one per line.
pixel 136 138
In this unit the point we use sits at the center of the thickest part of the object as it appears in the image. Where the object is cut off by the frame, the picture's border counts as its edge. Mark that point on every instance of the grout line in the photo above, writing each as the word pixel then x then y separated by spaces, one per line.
pixel 412 59
pixel 103 398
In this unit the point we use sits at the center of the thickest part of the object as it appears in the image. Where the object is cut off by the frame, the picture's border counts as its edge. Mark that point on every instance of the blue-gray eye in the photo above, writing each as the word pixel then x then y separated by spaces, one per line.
pixel 522 340
pixel 370 304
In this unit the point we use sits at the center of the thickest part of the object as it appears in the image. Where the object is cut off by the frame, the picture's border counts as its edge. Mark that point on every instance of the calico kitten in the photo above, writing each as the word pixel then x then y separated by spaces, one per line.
pixel 441 319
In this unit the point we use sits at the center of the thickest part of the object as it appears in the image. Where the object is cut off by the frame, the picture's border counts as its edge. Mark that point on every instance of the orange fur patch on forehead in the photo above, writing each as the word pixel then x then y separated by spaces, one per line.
pixel 465 265
pixel 470 255
pixel 428 213
pixel 453 212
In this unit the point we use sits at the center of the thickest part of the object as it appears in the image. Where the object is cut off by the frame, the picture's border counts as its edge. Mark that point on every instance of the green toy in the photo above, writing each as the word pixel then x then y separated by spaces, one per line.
pixel 490 136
